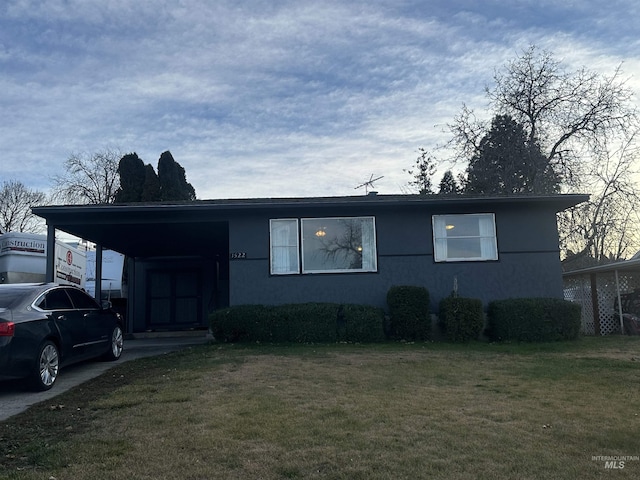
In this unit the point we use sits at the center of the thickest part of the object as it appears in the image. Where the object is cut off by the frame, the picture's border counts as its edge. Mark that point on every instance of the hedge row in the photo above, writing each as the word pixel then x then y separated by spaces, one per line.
pixel 299 323
pixel 462 320
pixel 533 320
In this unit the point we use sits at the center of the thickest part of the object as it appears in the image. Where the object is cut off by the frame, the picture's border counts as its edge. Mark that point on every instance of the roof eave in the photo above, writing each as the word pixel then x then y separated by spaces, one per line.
pixel 560 202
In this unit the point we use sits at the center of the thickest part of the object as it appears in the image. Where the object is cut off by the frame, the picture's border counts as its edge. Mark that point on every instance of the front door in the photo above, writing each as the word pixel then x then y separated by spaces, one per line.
pixel 174 299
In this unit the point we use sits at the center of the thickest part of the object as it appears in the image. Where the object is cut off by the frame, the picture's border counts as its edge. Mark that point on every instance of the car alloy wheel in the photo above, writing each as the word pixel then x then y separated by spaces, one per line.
pixel 117 344
pixel 47 366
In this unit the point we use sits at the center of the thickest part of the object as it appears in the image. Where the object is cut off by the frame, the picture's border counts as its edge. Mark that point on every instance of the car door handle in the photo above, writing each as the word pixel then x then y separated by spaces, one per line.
pixel 61 317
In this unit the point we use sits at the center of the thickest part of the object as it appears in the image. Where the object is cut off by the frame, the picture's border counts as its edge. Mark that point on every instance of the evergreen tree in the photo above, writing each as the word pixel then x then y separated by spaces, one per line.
pixel 508 162
pixel 151 185
pixel 423 172
pixel 132 174
pixel 448 184
pixel 173 181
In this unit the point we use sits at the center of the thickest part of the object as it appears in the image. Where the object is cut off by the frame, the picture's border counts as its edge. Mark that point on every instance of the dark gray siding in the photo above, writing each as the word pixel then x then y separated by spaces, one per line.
pixel 528 265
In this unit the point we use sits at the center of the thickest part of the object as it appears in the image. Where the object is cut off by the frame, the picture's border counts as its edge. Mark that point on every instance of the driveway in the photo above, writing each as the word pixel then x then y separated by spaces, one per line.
pixel 14 398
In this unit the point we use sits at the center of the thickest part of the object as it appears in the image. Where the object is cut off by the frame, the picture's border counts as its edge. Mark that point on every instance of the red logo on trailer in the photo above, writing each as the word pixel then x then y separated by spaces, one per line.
pixel 69 257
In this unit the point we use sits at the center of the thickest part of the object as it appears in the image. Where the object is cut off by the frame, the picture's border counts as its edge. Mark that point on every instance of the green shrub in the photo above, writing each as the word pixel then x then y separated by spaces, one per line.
pixel 461 318
pixel 299 323
pixel 362 323
pixel 409 311
pixel 533 320
pixel 303 323
pixel 241 324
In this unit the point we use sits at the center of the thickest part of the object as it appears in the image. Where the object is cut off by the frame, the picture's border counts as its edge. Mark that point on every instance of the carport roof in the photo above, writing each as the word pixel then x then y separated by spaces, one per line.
pixel 623 265
pixel 194 228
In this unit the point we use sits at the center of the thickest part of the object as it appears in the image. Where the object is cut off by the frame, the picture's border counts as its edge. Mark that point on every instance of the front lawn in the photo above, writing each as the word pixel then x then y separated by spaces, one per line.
pixel 384 411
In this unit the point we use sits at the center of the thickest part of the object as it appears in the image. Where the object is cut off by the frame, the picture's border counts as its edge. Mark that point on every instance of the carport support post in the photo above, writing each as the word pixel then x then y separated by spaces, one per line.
pixel 619 303
pixel 594 304
pixel 98 291
pixel 51 253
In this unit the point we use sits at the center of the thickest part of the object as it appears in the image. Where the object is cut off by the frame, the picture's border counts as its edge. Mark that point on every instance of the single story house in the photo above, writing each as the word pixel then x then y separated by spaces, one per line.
pixel 188 259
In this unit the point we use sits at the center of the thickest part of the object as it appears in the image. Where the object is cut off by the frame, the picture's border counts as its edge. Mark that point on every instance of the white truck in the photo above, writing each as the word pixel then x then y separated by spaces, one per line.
pixel 23 259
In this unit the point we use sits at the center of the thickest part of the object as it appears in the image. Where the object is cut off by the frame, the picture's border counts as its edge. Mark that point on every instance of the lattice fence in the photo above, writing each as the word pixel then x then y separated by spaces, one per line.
pixel 578 289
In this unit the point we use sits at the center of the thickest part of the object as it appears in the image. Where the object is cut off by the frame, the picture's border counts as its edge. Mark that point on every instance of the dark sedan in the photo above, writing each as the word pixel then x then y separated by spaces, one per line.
pixel 44 327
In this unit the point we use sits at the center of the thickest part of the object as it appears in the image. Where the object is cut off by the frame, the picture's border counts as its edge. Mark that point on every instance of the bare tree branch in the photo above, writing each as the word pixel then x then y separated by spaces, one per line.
pixel 16 202
pixel 577 118
pixel 91 179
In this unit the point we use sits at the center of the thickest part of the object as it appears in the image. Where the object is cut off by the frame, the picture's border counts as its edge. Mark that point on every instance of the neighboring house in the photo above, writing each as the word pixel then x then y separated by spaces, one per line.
pixel 606 293
pixel 187 259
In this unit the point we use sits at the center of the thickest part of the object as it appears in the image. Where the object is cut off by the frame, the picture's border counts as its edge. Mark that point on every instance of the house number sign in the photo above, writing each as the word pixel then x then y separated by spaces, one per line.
pixel 238 255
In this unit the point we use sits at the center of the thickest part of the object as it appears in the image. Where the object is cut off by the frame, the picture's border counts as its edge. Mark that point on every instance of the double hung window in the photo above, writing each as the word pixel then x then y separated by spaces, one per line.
pixel 464 237
pixel 285 258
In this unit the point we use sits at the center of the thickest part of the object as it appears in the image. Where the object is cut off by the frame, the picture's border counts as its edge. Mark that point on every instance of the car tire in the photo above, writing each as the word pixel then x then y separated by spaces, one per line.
pixel 116 345
pixel 46 367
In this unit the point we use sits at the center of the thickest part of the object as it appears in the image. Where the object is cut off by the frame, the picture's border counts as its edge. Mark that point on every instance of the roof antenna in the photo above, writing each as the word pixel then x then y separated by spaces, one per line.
pixel 368 183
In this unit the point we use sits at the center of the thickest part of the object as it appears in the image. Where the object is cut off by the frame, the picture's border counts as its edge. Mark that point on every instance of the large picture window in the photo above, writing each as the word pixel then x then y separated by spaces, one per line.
pixel 338 245
pixel 328 245
pixel 464 237
pixel 285 256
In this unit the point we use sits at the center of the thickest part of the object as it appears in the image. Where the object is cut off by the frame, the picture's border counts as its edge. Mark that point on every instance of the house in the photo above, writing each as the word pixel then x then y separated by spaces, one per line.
pixel 187 259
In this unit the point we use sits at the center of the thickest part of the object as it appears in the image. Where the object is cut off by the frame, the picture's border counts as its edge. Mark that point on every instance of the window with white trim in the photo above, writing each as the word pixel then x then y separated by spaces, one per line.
pixel 346 244
pixel 285 253
pixel 464 238
pixel 323 245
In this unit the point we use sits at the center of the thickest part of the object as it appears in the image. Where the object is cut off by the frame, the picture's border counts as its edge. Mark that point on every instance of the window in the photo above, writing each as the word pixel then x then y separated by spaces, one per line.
pixel 55 299
pixel 324 245
pixel 81 300
pixel 338 245
pixel 464 237
pixel 284 246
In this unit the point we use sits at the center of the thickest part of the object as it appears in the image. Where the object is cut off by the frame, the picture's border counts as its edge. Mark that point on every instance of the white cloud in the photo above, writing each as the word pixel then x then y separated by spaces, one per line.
pixel 271 98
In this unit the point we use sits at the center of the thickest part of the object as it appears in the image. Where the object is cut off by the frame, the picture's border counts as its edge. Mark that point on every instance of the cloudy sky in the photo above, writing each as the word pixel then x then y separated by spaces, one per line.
pixel 273 98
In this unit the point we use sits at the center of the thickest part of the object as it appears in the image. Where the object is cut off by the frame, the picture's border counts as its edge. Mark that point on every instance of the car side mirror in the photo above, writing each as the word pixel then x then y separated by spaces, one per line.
pixel 106 304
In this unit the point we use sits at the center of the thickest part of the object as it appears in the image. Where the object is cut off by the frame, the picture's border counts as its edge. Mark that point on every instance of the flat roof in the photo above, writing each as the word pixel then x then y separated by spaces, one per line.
pixel 633 264
pixel 560 201
pixel 159 228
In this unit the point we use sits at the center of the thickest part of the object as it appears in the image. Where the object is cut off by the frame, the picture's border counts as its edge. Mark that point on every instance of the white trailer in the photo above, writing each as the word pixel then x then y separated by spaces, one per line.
pixel 23 259
pixel 112 274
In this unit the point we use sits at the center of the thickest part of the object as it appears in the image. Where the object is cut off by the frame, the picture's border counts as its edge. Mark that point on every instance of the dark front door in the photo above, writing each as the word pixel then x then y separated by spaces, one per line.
pixel 174 299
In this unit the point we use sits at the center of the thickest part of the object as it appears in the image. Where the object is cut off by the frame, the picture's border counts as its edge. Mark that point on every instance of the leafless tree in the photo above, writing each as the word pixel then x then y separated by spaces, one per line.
pixel 345 248
pixel 16 202
pixel 89 178
pixel 576 118
pixel 568 113
pixel 607 227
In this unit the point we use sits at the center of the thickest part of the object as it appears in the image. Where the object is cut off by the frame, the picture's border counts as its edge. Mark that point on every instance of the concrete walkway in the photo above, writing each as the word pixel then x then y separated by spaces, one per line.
pixel 15 398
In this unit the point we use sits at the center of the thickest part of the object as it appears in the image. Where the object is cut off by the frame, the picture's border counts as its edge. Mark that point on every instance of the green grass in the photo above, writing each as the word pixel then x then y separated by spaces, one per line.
pixel 390 411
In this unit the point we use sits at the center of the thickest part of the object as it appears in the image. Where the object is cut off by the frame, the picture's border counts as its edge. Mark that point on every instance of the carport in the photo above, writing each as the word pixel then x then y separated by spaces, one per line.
pixel 177 256
pixel 601 291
